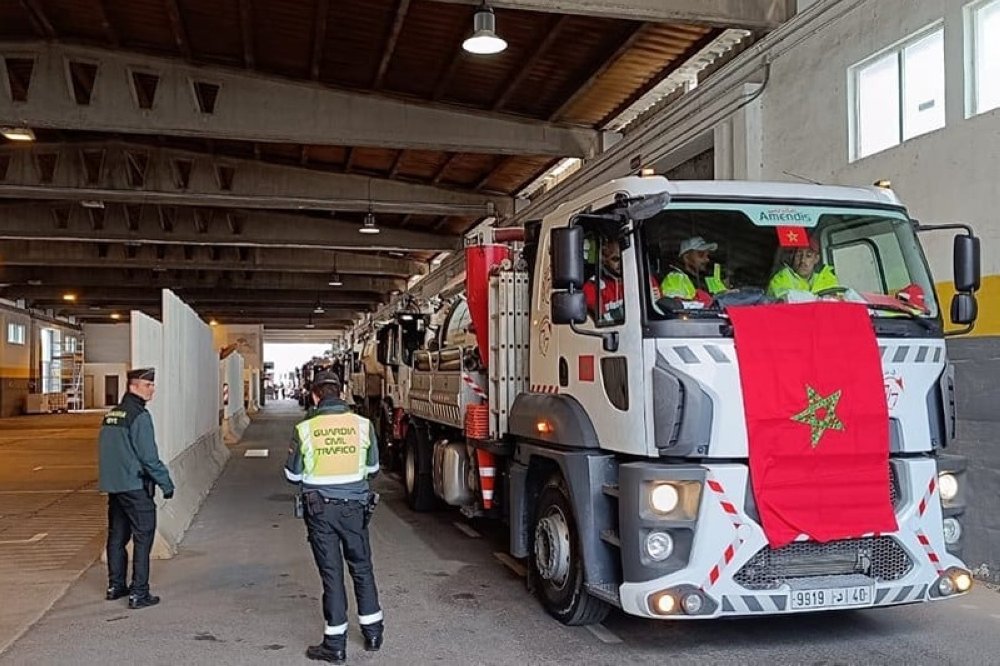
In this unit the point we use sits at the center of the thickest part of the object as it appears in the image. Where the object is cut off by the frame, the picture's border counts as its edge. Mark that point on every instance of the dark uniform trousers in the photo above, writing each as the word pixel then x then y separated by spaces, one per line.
pixel 131 515
pixel 334 525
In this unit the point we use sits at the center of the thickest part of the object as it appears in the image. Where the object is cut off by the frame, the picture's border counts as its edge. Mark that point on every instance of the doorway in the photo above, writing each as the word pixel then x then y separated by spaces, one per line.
pixel 110 390
pixel 88 391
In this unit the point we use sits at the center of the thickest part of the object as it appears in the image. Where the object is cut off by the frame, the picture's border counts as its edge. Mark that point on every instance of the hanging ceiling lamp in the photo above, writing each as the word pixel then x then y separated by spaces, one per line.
pixel 484 40
pixel 369 226
pixel 335 280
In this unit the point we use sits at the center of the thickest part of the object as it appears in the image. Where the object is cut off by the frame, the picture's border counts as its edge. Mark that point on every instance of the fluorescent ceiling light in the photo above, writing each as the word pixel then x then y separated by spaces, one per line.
pixel 484 40
pixel 17 133
pixel 335 280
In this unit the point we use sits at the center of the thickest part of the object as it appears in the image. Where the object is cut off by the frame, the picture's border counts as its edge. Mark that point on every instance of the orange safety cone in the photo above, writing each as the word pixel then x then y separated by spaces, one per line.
pixel 487 474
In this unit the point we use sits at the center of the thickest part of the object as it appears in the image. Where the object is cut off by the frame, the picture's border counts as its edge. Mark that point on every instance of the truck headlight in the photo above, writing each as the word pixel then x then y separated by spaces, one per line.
pixel 659 546
pixel 948 485
pixel 952 531
pixel 664 498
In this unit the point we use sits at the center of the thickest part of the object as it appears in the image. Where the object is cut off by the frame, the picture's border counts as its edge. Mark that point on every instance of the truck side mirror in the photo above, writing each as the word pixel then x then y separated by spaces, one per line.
pixel 569 307
pixel 966 265
pixel 567 259
pixel 964 308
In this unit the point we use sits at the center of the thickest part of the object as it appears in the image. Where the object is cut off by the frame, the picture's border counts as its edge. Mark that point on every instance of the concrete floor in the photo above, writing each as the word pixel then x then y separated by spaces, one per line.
pixel 244 591
pixel 51 517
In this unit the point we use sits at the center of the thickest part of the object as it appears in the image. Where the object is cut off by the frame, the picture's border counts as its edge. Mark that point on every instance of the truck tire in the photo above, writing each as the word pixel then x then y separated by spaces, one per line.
pixel 557 561
pixel 417 479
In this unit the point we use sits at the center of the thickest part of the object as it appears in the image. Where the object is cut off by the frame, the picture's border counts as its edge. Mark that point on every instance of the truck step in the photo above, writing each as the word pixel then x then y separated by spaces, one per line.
pixel 611 536
pixel 606 592
pixel 611 490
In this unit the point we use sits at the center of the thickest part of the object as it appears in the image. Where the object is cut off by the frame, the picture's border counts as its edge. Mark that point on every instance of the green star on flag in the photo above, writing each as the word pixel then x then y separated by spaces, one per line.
pixel 820 415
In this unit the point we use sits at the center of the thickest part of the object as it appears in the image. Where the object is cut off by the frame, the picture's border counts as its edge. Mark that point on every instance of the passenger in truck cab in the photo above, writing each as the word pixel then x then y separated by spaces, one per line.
pixel 607 284
pixel 688 279
pixel 802 270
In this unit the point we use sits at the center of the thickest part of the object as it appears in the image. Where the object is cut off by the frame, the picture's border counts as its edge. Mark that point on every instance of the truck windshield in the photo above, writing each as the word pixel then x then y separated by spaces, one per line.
pixel 702 257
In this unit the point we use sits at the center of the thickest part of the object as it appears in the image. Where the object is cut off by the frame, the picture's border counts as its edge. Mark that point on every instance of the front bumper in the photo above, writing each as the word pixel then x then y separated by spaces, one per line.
pixel 730 566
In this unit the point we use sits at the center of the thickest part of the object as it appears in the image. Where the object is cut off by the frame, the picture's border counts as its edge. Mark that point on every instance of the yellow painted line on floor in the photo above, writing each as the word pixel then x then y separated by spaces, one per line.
pixel 604 634
pixel 87 466
pixel 466 530
pixel 35 539
pixel 511 564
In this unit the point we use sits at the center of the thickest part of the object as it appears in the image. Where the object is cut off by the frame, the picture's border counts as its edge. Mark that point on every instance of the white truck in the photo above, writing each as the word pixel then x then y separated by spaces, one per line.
pixel 617 451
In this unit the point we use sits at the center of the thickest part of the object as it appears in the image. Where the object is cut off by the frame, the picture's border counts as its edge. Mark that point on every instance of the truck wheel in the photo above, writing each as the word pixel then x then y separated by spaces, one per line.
pixel 557 561
pixel 418 484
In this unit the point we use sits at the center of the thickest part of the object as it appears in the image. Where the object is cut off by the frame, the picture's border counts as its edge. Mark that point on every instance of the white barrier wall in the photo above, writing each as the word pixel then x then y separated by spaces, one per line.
pixel 234 414
pixel 187 383
pixel 185 410
pixel 232 374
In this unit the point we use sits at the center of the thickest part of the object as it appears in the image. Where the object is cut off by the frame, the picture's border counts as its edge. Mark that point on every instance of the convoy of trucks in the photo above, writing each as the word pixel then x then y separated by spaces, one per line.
pixel 621 451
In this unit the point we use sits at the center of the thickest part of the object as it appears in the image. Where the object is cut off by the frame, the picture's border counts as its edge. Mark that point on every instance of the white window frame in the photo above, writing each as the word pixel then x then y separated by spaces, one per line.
pixel 854 97
pixel 971 72
pixel 16 333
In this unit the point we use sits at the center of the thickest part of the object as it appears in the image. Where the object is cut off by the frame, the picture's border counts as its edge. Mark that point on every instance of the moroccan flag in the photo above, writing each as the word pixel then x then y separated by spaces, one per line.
pixel 792 237
pixel 817 420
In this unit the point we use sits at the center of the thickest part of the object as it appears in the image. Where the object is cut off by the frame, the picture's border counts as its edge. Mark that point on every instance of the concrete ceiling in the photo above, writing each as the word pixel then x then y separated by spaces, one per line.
pixel 232 150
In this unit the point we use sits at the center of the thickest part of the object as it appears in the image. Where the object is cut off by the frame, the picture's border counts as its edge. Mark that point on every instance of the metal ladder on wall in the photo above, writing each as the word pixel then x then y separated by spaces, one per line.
pixel 71 370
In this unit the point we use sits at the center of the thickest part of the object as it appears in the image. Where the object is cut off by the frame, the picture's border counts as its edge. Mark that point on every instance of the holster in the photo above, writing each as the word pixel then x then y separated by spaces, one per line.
pixel 373 500
pixel 314 503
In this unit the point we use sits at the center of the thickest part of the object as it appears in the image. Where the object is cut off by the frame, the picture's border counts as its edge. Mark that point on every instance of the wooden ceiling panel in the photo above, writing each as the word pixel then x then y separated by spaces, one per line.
pixel 355 36
pixel 142 24
pixel 427 47
pixel 327 156
pixel 213 29
pixel 469 169
pixel 653 51
pixel 514 174
pixel 14 22
pixel 480 80
pixel 420 164
pixel 559 72
pixel 373 160
pixel 73 15
pixel 283 36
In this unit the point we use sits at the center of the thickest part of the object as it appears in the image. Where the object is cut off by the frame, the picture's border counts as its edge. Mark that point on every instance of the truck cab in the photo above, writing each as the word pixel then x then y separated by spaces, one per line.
pixel 643 396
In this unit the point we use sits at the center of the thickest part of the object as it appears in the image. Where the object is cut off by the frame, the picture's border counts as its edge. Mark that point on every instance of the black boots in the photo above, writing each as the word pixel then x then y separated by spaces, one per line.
pixel 115 592
pixel 329 652
pixel 137 601
pixel 373 643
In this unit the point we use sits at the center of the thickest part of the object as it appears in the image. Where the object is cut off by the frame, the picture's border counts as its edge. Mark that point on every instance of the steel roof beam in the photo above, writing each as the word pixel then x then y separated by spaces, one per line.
pixel 220 278
pixel 231 104
pixel 157 225
pixel 749 14
pixel 177 257
pixel 123 172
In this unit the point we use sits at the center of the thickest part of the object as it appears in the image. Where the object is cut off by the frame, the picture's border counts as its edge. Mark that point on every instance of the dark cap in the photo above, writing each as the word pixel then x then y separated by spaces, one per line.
pixel 149 374
pixel 326 377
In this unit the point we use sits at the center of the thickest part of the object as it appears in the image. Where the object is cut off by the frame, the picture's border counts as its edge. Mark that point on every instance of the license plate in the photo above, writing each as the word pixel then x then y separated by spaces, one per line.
pixel 837 597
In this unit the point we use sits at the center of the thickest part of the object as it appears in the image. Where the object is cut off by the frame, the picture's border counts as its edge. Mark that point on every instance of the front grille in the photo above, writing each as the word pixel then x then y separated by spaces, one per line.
pixel 893 486
pixel 881 558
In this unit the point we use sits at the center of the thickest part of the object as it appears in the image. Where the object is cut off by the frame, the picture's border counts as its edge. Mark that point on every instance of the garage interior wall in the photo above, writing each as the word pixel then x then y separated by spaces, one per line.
pixel 15 360
pixel 802 126
pixel 107 354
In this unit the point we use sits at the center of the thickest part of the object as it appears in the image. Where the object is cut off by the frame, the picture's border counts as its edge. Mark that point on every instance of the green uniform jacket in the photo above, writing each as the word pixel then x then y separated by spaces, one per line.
pixel 295 464
pixel 787 280
pixel 127 449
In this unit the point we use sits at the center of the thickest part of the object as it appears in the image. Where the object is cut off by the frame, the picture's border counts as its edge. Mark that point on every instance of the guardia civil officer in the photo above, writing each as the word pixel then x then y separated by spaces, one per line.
pixel 333 453
pixel 130 470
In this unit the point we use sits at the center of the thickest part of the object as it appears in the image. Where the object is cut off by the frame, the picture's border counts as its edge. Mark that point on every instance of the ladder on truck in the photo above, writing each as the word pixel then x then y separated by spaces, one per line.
pixel 510 304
